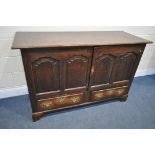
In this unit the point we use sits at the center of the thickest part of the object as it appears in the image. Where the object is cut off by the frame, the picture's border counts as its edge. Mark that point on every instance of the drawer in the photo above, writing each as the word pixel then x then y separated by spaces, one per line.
pixel 108 93
pixel 60 102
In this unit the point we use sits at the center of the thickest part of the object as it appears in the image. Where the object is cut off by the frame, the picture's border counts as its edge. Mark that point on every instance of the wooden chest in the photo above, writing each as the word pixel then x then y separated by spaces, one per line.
pixel 69 69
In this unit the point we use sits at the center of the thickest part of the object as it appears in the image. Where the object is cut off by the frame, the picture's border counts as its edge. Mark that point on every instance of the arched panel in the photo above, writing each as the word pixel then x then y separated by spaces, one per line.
pixel 103 68
pixel 76 71
pixel 46 74
pixel 124 66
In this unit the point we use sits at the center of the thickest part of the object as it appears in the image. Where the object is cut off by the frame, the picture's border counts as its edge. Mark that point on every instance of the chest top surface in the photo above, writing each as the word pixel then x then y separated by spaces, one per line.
pixel 24 40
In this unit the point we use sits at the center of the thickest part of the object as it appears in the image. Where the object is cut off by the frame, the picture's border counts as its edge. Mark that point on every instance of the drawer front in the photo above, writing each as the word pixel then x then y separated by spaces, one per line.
pixel 108 93
pixel 60 102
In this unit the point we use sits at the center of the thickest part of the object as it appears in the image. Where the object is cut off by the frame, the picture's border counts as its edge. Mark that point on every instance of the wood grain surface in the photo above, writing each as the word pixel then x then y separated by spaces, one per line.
pixel 67 39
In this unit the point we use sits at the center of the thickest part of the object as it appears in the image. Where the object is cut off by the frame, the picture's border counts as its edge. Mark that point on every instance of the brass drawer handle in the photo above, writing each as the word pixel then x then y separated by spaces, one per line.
pixel 121 91
pixel 61 100
pixel 75 99
pixel 48 104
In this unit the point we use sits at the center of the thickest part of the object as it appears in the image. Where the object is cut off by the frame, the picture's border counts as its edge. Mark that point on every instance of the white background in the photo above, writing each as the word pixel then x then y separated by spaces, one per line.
pixel 77 13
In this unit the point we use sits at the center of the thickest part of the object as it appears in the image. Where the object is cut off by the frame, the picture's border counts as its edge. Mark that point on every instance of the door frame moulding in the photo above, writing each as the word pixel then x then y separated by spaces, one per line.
pixel 22 90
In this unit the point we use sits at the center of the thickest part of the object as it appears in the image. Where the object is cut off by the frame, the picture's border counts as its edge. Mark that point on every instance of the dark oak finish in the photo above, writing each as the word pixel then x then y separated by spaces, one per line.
pixel 68 39
pixel 117 64
pixel 69 69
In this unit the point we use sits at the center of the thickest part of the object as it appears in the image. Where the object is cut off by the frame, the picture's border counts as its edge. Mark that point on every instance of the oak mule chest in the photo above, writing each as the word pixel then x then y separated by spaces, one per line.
pixel 69 69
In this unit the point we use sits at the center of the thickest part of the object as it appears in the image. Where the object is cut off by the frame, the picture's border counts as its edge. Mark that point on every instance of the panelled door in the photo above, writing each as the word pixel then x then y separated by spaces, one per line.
pixel 55 72
pixel 113 66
